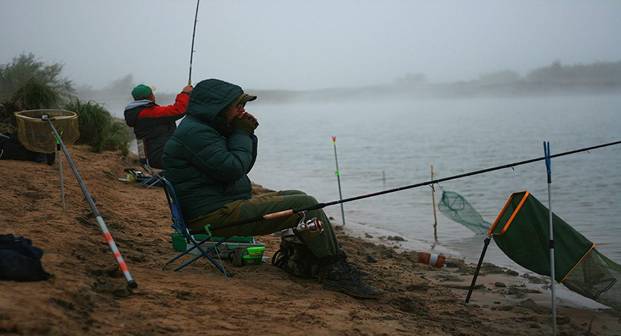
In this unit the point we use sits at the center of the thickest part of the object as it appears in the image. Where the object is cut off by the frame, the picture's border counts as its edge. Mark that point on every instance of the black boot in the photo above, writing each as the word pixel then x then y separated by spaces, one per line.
pixel 338 275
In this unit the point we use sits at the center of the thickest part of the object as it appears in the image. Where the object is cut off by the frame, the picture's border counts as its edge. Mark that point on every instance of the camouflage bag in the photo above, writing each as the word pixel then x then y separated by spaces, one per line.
pixel 295 258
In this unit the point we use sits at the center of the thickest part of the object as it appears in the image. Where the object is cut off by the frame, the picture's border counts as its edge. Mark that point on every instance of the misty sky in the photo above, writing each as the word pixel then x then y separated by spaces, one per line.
pixel 291 44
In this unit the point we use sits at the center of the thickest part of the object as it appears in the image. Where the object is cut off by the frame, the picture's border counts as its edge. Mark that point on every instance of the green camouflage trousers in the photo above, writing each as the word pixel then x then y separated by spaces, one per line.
pixel 321 244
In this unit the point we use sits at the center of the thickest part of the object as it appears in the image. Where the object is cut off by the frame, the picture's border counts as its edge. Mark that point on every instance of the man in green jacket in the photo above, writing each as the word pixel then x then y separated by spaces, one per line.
pixel 207 160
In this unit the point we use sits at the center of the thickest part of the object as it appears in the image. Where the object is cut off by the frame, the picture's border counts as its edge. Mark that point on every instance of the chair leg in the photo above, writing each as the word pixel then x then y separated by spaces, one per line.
pixel 187 251
pixel 177 257
pixel 155 179
pixel 218 265
pixel 204 253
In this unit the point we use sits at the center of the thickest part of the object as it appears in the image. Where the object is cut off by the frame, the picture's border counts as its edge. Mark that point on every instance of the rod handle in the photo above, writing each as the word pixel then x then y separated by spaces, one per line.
pixel 279 214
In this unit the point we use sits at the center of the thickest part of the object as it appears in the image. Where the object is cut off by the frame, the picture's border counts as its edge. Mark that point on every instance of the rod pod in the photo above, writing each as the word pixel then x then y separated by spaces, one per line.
pixel 131 283
pixel 548 161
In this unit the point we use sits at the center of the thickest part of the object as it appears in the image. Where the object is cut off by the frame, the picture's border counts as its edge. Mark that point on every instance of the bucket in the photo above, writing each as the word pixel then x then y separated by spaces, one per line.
pixel 432 259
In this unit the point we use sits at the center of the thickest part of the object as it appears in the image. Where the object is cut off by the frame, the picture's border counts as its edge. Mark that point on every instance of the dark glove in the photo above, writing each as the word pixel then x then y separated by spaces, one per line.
pixel 247 122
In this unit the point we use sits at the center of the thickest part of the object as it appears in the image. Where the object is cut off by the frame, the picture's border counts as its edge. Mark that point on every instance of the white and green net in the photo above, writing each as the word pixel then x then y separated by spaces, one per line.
pixel 522 233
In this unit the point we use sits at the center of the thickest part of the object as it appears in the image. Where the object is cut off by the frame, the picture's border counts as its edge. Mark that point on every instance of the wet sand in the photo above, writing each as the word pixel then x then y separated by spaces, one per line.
pixel 88 295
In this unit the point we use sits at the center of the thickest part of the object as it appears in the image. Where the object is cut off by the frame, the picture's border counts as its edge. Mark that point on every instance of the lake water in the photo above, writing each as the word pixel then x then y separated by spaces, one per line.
pixel 399 140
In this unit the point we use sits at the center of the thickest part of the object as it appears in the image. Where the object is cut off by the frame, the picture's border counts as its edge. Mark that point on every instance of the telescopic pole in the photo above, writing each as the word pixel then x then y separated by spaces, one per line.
pixel 338 178
pixel 62 175
pixel 131 283
pixel 433 205
pixel 546 151
pixel 192 47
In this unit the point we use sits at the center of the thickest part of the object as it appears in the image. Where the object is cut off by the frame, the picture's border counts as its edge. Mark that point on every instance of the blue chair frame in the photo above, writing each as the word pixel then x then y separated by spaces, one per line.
pixel 178 224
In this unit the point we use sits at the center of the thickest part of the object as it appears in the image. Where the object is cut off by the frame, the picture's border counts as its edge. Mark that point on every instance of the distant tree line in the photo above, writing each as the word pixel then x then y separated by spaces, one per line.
pixel 600 73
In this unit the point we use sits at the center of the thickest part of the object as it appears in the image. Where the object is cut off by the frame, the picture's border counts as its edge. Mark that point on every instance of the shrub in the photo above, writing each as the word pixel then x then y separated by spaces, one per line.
pixel 118 137
pixel 35 95
pixel 98 129
pixel 27 84
pixel 25 68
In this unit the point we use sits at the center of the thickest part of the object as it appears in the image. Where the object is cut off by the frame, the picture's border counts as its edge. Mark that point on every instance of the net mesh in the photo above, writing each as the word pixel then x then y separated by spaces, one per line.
pixel 596 277
pixel 35 133
pixel 522 233
pixel 457 208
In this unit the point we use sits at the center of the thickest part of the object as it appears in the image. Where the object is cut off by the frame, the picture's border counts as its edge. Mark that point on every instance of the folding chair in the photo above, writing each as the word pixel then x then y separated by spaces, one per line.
pixel 178 224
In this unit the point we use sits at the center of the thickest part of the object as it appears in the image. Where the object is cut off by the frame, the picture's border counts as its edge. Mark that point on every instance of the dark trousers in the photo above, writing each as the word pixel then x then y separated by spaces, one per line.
pixel 321 244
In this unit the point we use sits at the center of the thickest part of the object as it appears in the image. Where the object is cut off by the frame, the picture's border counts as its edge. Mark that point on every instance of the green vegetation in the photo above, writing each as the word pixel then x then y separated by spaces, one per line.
pixel 24 69
pixel 27 84
pixel 104 132
pixel 36 95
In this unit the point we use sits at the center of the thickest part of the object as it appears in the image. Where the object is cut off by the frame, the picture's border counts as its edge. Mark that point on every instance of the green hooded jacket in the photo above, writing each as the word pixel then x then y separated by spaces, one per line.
pixel 206 162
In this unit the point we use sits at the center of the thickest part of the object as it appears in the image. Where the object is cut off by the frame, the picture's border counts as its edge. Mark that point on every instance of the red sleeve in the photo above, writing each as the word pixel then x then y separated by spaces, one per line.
pixel 175 110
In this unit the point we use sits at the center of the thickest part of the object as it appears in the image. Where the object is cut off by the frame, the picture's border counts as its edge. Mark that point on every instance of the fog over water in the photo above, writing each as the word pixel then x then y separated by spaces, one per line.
pixel 298 44
pixel 462 85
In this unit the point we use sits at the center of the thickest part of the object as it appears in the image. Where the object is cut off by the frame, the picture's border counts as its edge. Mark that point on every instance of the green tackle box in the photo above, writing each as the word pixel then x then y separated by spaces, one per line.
pixel 249 251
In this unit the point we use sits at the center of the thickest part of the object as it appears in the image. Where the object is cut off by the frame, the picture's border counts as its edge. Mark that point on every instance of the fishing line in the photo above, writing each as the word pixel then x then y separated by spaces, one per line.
pixel 289 212
pixel 454 177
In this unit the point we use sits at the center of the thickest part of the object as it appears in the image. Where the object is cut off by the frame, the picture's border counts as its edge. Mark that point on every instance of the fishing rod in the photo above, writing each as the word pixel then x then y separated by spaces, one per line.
pixel 192 48
pixel 290 212
pixel 454 177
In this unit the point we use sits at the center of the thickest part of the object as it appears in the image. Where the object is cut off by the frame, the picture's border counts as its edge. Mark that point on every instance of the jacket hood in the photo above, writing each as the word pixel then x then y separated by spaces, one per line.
pixel 132 110
pixel 138 103
pixel 210 97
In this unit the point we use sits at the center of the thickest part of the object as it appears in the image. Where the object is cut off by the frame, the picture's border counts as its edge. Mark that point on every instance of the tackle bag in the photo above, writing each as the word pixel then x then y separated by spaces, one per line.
pixel 295 258
pixel 19 260
pixel 12 149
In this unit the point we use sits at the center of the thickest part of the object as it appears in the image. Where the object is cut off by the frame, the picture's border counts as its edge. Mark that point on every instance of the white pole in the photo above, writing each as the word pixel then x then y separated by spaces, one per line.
pixel 546 149
pixel 433 204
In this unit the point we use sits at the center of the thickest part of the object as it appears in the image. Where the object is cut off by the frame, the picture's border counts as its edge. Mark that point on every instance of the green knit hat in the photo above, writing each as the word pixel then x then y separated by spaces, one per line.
pixel 141 92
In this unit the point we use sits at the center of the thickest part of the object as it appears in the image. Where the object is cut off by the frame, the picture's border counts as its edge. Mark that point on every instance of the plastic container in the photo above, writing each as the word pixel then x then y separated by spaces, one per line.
pixel 431 259
pixel 248 255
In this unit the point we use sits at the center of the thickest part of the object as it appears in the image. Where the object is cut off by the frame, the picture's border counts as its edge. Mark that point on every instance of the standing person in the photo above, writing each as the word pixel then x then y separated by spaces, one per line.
pixel 207 160
pixel 152 123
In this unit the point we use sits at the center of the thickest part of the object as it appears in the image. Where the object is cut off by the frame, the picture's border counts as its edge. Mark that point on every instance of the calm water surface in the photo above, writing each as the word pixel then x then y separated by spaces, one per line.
pixel 402 139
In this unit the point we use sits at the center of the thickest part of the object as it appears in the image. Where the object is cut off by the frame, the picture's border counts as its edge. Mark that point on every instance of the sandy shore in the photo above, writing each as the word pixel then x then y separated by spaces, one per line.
pixel 88 295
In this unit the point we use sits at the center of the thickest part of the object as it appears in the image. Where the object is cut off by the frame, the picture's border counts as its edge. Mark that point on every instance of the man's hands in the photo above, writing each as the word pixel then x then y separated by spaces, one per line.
pixel 246 122
pixel 187 89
